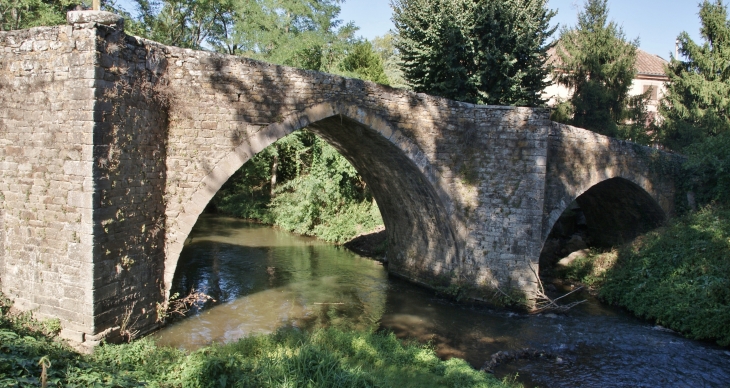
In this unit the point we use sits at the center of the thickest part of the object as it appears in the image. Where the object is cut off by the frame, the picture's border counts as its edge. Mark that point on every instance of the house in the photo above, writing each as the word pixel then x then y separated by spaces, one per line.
pixel 649 76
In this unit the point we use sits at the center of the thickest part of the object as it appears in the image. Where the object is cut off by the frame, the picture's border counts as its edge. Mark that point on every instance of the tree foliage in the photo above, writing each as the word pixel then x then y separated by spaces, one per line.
pixel 384 46
pixel 697 102
pixel 300 33
pixel 364 63
pixel 486 52
pixel 194 24
pixel 19 14
pixel 318 192
pixel 598 64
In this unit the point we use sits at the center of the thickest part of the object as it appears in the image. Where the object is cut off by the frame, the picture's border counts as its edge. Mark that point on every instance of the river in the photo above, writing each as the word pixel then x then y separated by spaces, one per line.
pixel 263 278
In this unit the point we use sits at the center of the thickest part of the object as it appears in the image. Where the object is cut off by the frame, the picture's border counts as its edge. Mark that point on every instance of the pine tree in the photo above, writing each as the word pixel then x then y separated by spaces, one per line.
pixel 697 101
pixel 485 52
pixel 362 62
pixel 598 64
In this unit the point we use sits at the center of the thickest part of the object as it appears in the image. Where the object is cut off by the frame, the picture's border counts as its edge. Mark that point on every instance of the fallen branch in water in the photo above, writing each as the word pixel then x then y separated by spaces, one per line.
pixel 545 303
pixel 181 306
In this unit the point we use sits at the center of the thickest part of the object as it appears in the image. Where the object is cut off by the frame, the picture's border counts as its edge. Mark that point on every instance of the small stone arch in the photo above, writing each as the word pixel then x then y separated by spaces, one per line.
pixel 419 227
pixel 616 210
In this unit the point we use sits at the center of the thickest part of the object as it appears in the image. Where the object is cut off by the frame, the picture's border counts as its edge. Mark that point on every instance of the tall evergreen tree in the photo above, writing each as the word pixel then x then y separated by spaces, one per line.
pixel 697 102
pixel 486 52
pixel 598 64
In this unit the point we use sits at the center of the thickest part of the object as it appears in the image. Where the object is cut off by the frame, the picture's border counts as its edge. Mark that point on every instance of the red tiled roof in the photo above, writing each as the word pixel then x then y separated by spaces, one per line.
pixel 646 64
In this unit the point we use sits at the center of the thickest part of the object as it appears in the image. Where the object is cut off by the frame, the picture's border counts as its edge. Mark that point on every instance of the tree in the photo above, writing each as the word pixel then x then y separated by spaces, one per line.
pixel 299 33
pixel 384 46
pixel 697 101
pixel 364 63
pixel 19 14
pixel 598 63
pixel 194 24
pixel 486 52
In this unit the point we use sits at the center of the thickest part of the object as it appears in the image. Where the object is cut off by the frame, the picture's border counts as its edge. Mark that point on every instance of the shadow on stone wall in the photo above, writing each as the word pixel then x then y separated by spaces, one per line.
pixel 130 147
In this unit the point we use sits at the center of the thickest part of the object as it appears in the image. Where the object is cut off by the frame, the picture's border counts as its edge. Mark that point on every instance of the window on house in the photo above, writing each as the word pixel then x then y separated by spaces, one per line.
pixel 653 95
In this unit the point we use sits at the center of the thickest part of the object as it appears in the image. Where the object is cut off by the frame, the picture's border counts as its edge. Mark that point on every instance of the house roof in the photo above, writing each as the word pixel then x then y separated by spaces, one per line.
pixel 649 64
pixel 646 64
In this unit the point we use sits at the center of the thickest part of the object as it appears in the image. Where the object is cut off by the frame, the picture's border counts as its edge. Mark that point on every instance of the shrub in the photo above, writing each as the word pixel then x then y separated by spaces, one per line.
pixel 677 276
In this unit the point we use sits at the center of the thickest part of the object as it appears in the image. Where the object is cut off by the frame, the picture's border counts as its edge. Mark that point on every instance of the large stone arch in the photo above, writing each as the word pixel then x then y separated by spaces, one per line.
pixel 397 171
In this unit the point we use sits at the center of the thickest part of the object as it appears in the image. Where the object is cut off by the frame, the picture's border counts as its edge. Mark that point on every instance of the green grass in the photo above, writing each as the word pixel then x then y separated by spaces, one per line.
pixel 677 276
pixel 290 358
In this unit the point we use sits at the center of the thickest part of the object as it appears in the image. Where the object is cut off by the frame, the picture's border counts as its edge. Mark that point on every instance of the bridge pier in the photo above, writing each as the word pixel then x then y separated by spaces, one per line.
pixel 112 146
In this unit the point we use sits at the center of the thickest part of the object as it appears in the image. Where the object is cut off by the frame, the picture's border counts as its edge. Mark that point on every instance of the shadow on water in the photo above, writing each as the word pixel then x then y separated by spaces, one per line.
pixel 299 282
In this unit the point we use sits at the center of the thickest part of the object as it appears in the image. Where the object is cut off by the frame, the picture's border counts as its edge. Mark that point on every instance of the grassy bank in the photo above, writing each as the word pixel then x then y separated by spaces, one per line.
pixel 677 276
pixel 325 358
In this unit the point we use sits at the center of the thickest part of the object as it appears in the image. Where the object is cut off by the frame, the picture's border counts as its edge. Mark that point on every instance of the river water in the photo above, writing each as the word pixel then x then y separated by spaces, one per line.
pixel 263 279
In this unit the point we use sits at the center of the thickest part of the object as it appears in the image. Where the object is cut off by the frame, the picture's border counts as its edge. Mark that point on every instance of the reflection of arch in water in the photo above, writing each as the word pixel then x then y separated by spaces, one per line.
pixel 420 235
pixel 616 210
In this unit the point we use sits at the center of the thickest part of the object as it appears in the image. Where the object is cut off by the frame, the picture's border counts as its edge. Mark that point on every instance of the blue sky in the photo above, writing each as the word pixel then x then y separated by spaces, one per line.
pixel 656 23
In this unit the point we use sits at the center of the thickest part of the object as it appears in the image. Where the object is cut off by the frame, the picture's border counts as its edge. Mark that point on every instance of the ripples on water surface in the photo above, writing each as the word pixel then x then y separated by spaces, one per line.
pixel 263 279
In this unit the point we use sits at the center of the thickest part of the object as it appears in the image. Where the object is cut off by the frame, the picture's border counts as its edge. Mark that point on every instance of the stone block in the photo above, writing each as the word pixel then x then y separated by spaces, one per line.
pixel 99 17
pixel 72 335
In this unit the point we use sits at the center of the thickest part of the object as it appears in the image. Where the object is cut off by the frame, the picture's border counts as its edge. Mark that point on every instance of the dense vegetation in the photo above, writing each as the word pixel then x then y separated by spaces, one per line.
pixel 31 356
pixel 304 185
pixel 19 14
pixel 677 276
pixel 483 52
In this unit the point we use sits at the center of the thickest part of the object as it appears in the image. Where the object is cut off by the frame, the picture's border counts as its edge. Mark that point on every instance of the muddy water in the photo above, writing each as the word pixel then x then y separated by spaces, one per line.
pixel 263 279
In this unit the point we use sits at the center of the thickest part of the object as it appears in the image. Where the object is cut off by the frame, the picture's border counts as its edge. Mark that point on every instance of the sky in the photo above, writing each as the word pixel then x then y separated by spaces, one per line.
pixel 656 23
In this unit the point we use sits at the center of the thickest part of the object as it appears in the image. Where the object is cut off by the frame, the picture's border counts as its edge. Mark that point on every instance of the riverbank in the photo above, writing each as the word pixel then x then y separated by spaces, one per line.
pixel 32 355
pixel 677 276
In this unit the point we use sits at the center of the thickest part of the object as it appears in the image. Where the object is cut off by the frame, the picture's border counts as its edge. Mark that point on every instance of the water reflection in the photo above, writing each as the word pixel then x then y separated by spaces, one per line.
pixel 264 279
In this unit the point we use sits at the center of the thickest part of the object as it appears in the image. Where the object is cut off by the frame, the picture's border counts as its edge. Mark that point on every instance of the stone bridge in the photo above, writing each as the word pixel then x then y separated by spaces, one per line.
pixel 111 146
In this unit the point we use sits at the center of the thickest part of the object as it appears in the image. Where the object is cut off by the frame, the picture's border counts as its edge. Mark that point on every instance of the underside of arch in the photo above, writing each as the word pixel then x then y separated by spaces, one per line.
pixel 618 210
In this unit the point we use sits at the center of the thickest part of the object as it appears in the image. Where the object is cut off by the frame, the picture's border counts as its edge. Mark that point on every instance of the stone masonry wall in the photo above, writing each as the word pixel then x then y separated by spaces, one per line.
pixel 630 180
pixel 459 185
pixel 130 141
pixel 47 84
